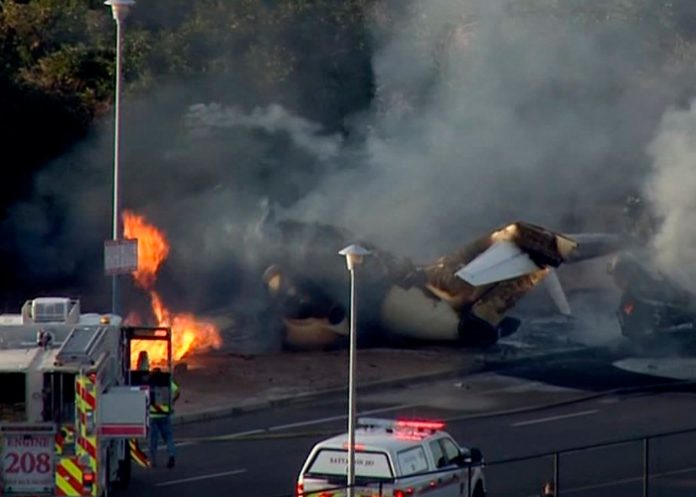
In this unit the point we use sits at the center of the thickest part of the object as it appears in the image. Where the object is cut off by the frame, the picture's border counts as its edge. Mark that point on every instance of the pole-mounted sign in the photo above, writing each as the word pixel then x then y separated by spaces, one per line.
pixel 120 256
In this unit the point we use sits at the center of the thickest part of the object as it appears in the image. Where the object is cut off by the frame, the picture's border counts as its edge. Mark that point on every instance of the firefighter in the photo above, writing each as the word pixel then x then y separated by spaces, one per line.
pixel 161 425
pixel 143 361
pixel 160 416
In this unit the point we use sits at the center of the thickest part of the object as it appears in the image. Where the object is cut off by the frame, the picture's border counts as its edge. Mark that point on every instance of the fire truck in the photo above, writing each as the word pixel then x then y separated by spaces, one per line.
pixel 70 400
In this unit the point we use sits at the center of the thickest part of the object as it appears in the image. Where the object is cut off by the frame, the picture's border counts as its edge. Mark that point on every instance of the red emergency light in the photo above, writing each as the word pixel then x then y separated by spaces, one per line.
pixel 409 435
pixel 357 447
pixel 419 425
pixel 407 429
pixel 403 493
pixel 87 478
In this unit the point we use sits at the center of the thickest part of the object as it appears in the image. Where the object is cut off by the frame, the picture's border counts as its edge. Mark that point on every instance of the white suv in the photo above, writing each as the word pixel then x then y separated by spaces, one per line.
pixel 394 459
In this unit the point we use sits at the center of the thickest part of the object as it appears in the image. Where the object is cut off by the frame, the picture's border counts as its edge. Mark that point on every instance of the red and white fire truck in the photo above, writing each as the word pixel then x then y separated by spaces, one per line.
pixel 68 405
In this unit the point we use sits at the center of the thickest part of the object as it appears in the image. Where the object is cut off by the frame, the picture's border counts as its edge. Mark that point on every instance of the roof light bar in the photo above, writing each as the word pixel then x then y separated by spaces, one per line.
pixel 387 424
pixel 420 425
pixel 409 436
pixel 401 424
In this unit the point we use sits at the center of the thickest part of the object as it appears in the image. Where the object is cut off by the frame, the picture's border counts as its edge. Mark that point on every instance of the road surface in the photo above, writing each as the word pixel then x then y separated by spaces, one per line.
pixel 259 454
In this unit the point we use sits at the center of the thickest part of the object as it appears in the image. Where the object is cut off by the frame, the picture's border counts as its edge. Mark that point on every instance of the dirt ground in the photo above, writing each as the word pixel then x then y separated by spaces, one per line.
pixel 216 380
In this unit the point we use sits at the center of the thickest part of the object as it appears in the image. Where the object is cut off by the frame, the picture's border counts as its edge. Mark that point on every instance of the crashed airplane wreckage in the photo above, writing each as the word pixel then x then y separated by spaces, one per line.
pixel 652 307
pixel 459 299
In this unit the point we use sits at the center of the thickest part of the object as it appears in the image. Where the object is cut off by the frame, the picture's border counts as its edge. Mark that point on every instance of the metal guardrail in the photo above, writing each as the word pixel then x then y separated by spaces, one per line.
pixel 556 456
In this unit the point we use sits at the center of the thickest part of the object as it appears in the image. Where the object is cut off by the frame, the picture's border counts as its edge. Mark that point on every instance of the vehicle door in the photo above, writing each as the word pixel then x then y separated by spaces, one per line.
pixel 148 361
pixel 450 480
pixel 413 469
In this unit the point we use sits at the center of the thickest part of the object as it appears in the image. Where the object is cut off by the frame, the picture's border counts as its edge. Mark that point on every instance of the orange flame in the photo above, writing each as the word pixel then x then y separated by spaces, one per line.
pixel 153 248
pixel 188 333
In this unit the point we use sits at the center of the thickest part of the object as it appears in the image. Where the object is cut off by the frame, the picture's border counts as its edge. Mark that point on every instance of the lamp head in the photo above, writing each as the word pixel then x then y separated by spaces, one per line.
pixel 119 8
pixel 354 255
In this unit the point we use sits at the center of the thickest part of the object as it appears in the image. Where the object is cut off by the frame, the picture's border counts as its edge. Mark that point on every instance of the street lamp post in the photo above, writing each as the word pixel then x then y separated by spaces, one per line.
pixel 119 10
pixel 354 255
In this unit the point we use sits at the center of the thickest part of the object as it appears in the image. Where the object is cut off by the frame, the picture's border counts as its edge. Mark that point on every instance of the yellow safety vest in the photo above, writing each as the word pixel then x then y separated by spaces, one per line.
pixel 160 409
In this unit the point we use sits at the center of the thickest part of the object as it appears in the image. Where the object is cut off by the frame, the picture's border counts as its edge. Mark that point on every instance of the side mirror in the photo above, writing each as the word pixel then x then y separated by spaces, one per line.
pixel 476 455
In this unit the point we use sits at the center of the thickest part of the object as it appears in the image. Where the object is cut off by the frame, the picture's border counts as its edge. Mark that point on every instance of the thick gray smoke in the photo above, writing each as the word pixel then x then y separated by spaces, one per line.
pixel 483 113
pixel 201 119
pixel 672 191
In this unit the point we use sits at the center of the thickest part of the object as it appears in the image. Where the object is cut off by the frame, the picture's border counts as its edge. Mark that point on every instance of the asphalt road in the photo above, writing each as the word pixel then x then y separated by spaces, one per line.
pixel 259 454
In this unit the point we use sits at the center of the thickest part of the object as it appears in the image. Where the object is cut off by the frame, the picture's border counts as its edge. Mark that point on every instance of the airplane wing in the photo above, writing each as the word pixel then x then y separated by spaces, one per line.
pixel 501 261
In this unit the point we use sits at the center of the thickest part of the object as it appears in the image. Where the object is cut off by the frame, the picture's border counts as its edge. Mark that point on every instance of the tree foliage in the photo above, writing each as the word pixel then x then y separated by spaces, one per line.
pixel 313 56
pixel 57 65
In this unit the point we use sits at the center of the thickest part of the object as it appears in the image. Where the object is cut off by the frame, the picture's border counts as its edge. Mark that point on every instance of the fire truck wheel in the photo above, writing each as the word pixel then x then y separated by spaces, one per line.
pixel 123 475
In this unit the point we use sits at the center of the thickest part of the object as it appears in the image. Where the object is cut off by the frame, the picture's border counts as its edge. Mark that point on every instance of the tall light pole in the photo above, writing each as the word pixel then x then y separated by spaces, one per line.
pixel 119 10
pixel 354 256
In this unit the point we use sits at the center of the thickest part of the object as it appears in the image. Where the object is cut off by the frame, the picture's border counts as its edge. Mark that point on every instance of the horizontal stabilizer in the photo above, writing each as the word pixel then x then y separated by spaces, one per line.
pixel 501 261
pixel 553 286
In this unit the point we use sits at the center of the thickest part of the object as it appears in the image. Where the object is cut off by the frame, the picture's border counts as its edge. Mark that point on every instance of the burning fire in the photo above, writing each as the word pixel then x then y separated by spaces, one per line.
pixel 188 333
pixel 153 248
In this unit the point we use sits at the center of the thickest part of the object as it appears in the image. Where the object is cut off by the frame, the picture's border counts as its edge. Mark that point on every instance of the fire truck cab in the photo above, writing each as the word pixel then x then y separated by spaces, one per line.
pixel 67 408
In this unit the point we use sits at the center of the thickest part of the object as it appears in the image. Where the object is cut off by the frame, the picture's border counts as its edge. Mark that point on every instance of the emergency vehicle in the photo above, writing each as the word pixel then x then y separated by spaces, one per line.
pixel 68 405
pixel 394 459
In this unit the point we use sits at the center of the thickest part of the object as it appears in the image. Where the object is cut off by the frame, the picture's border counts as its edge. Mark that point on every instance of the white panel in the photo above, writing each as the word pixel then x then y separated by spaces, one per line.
pixel 124 406
pixel 27 461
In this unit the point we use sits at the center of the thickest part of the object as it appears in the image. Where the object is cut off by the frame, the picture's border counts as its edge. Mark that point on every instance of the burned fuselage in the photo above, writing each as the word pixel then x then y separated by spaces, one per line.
pixel 312 319
pixel 462 298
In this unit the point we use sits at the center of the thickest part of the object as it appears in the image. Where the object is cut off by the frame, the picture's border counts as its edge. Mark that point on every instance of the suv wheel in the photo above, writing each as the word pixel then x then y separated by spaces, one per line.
pixel 478 491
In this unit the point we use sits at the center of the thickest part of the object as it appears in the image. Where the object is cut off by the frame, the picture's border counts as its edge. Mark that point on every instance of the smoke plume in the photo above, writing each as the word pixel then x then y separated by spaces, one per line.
pixel 483 112
pixel 672 190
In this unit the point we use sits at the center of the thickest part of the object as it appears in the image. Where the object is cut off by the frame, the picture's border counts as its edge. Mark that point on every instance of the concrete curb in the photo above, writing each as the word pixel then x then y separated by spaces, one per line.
pixel 236 409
